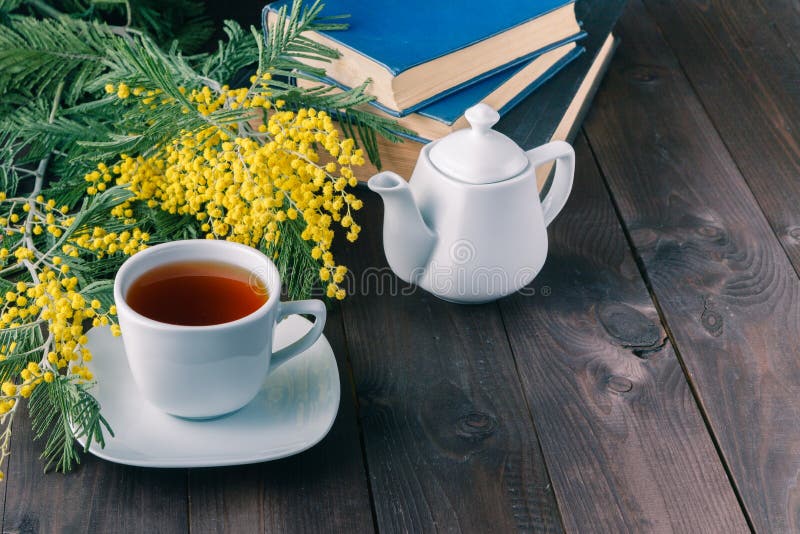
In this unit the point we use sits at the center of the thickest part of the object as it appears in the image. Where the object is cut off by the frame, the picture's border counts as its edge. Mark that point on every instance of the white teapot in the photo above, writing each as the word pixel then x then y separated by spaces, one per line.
pixel 469 227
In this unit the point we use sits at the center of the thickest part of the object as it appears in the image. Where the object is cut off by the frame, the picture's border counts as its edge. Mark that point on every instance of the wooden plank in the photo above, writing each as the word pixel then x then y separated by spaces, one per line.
pixel 728 293
pixel 747 77
pixel 321 490
pixel 98 496
pixel 449 442
pixel 624 441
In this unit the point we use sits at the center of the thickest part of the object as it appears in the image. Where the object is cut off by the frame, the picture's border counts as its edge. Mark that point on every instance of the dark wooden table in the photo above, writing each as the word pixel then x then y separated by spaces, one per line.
pixel 651 384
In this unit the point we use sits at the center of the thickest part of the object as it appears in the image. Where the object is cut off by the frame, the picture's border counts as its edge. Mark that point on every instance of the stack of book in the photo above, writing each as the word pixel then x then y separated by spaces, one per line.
pixel 430 61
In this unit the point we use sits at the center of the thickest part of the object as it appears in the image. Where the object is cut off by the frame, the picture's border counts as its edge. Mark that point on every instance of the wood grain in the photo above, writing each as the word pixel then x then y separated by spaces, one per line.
pixel 729 295
pixel 98 496
pixel 624 441
pixel 321 490
pixel 449 442
pixel 748 81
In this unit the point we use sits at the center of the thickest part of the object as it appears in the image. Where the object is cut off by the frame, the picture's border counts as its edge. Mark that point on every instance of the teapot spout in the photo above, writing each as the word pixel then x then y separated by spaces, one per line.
pixel 407 240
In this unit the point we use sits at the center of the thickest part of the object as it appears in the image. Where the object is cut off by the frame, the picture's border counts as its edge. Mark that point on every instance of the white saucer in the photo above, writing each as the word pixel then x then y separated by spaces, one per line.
pixel 294 411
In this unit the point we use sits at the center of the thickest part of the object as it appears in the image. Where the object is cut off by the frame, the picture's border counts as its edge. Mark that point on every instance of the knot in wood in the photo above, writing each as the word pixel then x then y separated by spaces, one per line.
pixel 644 235
pixel 711 319
pixel 712 322
pixel 628 326
pixel 619 384
pixel 476 426
pixel 644 74
pixel 794 232
pixel 710 231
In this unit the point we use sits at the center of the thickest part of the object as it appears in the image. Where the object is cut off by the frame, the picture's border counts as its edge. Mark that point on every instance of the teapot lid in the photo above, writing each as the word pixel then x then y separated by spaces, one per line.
pixel 478 155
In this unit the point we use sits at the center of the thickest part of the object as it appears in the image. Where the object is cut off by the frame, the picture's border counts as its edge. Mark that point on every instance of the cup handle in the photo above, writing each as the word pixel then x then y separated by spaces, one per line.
pixel 310 307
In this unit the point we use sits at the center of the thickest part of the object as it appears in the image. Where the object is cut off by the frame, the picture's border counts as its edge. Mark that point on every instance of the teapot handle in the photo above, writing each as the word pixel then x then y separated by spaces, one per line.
pixel 564 155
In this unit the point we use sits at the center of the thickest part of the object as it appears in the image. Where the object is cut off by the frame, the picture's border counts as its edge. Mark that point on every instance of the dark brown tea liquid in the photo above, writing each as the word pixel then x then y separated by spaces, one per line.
pixel 196 293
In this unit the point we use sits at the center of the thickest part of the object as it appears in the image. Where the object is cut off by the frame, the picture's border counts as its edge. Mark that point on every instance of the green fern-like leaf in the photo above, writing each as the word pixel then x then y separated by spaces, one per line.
pixel 286 46
pixel 239 50
pixel 28 348
pixel 36 55
pixel 64 410
pixel 292 256
pixel 7 6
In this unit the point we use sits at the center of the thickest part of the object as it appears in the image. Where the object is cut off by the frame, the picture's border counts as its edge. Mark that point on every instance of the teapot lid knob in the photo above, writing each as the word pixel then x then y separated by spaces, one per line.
pixel 481 117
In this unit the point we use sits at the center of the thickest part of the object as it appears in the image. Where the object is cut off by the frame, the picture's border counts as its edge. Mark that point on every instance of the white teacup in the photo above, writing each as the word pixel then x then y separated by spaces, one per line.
pixel 207 371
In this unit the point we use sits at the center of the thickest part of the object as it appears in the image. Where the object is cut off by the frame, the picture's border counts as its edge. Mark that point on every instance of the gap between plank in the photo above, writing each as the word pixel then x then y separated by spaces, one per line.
pixel 530 414
pixel 354 397
pixel 188 500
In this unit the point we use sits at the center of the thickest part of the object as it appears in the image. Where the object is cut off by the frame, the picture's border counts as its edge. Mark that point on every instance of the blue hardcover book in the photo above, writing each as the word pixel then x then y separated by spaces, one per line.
pixel 418 51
